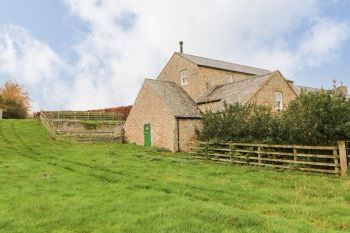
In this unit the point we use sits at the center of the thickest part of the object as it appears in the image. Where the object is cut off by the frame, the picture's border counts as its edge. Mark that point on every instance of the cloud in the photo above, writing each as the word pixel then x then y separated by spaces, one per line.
pixel 31 62
pixel 128 41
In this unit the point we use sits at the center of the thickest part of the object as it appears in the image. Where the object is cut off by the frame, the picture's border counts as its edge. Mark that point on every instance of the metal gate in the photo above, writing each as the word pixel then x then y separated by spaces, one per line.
pixel 348 152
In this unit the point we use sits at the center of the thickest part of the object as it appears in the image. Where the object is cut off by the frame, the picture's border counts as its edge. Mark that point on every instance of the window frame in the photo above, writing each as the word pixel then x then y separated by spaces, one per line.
pixel 278 99
pixel 184 77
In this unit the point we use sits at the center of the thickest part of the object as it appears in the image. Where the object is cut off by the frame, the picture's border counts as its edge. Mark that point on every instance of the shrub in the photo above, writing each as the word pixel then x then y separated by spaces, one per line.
pixel 246 123
pixel 319 118
pixel 15 101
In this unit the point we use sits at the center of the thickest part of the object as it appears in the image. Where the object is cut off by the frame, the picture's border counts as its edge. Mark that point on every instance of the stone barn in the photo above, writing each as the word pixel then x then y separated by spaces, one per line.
pixel 168 110
pixel 163 116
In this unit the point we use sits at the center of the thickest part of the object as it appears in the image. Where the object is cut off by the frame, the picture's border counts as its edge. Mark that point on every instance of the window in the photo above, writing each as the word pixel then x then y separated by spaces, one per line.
pixel 278 101
pixel 184 77
pixel 229 78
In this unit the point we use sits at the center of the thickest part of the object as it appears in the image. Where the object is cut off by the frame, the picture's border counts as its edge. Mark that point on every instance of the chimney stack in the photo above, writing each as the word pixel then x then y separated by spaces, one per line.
pixel 181 46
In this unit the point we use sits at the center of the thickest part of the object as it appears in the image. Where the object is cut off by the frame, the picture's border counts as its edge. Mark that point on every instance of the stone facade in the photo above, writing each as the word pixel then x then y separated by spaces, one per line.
pixel 265 96
pixel 155 104
pixel 149 108
pixel 200 79
pixel 187 133
pixel 215 77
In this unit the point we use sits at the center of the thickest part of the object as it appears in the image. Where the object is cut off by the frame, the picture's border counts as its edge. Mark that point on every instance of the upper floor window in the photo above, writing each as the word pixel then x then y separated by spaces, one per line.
pixel 229 78
pixel 278 101
pixel 184 77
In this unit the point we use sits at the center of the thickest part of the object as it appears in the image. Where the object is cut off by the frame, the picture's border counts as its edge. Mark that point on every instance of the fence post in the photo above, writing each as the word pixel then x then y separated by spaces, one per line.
pixel 342 158
pixel 295 152
pixel 259 155
pixel 336 161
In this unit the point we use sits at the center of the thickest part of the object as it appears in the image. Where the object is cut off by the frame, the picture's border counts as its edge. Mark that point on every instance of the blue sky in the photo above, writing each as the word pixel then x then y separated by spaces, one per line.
pixel 73 54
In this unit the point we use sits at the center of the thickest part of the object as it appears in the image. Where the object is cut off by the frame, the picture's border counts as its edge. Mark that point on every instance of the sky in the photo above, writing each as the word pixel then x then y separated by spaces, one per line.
pixel 77 55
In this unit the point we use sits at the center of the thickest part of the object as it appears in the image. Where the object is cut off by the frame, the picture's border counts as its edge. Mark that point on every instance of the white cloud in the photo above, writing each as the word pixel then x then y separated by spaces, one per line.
pixel 130 40
pixel 31 62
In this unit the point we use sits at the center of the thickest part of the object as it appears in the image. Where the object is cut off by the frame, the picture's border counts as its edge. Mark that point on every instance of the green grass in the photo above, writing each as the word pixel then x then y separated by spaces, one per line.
pixel 48 186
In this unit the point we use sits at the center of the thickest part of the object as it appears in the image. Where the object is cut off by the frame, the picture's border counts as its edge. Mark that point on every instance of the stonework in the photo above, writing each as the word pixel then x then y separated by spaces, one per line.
pixel 149 108
pixel 187 133
pixel 265 96
pixel 200 79
pixel 160 101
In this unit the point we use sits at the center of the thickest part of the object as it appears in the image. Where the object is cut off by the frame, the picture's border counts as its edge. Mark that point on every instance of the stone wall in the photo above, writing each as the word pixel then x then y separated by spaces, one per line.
pixel 200 79
pixel 265 96
pixel 214 77
pixel 71 126
pixel 148 108
pixel 187 133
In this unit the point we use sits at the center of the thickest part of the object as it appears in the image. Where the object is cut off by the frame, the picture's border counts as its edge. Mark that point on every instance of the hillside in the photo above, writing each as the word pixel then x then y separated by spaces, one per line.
pixel 49 186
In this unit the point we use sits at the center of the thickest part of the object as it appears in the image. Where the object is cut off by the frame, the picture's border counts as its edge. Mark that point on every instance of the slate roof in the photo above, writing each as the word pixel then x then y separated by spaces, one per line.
pixel 207 62
pixel 175 98
pixel 235 92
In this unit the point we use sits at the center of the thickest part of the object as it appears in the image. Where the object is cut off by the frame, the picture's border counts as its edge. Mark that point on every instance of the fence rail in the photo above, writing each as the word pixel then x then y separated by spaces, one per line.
pixel 84 115
pixel 48 125
pixel 322 159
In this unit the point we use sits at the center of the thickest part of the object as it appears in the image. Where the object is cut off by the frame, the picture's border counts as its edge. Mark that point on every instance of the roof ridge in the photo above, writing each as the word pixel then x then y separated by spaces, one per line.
pixel 232 63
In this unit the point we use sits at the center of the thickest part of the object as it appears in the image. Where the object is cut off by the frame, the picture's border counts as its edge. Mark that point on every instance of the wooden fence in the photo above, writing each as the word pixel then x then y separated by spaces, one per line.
pixel 322 159
pixel 48 125
pixel 84 115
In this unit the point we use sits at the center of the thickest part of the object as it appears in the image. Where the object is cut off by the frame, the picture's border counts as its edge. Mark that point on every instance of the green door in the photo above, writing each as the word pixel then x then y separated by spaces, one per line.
pixel 147 134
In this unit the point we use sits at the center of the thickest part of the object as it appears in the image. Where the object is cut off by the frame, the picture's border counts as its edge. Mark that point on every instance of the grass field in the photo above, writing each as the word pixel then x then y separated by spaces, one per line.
pixel 48 186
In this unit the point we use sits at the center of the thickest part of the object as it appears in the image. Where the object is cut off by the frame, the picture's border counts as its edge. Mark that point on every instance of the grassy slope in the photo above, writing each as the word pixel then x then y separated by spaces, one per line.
pixel 47 186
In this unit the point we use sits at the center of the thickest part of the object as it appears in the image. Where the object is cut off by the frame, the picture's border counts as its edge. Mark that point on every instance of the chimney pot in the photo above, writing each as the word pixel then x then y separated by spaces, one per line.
pixel 181 46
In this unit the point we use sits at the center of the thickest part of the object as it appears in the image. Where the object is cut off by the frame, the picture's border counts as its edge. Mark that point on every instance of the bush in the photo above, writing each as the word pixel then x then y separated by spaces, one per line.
pixel 319 118
pixel 243 123
pixel 14 110
pixel 14 100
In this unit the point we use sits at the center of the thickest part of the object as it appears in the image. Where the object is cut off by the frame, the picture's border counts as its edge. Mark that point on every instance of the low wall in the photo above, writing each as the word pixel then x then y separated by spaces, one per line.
pixel 87 127
pixel 87 131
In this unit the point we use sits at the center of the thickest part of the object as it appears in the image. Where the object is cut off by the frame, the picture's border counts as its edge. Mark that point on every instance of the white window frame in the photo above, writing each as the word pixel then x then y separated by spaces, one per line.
pixel 184 77
pixel 278 97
